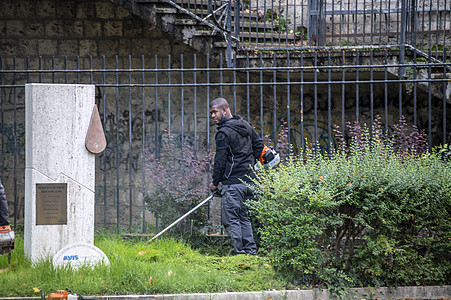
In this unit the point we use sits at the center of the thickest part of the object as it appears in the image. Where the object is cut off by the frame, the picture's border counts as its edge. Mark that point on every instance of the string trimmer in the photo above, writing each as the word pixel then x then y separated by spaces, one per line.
pixel 179 219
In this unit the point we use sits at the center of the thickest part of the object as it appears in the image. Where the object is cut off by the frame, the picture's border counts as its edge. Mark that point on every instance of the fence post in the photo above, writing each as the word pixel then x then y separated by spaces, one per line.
pixel 229 34
pixel 237 11
pixel 313 22
pixel 402 38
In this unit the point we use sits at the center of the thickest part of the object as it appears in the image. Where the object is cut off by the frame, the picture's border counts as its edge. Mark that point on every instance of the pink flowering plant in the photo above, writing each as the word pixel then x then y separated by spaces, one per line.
pixel 177 181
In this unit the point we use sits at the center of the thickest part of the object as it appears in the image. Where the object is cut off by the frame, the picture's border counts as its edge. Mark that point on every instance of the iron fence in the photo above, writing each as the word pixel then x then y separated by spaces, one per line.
pixel 140 99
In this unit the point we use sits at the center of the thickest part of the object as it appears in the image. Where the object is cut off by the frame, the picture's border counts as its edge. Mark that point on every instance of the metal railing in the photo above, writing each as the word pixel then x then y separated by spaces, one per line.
pixel 290 25
pixel 139 99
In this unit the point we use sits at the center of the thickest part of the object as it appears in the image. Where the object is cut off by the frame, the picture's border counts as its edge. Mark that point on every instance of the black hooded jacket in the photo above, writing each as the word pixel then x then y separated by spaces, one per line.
pixel 237 148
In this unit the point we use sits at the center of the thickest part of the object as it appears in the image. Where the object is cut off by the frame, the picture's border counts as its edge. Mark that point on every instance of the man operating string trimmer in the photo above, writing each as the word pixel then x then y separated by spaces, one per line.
pixel 238 147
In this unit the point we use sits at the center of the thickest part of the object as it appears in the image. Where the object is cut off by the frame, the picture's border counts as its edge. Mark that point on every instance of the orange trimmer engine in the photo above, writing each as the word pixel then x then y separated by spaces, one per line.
pixel 268 158
pixel 266 155
pixel 6 239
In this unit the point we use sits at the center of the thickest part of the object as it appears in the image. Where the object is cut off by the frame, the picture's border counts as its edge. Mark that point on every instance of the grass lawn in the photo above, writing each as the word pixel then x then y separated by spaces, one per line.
pixel 168 267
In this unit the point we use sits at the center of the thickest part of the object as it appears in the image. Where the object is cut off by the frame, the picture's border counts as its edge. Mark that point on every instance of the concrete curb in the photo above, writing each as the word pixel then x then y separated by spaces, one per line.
pixel 409 292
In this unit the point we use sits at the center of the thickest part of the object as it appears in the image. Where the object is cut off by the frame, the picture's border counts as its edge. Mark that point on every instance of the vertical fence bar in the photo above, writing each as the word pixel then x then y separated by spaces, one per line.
pixel 295 29
pixel 105 204
pixel 157 115
pixel 313 22
pixel 364 22
pixel 400 95
pixel 402 42
pixel 371 95
pixel 415 89
pixel 288 104
pixel 444 96
pixel 429 28
pixel 250 20
pixel 183 107
pixel 143 143
pixel 234 84
pixel 117 146
pixel 329 103
pixel 195 105
pixel 357 96
pixel 16 198
pixel 130 148
pixel 437 30
pixel 169 94
pixel 261 95
pixel 272 22
pixel 423 13
pixel 380 22
pixel 343 94
pixel 444 27
pixel 354 20
pixel 237 19
pixel 429 103
pixel 315 102
pixel 2 119
pixel 220 75
pixel 279 18
pixel 413 25
pixel 372 23
pixel 247 88
pixel 301 105
pixel 229 34
pixel 274 124
pixel 386 90
pixel 333 21
pixel 207 129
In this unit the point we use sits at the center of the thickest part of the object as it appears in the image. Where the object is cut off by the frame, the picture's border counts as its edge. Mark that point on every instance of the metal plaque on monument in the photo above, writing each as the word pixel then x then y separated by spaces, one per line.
pixel 51 204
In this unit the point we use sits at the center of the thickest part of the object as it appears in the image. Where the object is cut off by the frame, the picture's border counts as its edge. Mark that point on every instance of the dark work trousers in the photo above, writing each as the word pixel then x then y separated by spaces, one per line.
pixel 4 216
pixel 235 217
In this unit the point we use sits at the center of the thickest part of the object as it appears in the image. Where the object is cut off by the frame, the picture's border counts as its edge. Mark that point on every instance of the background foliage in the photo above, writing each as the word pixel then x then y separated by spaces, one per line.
pixel 374 212
pixel 176 182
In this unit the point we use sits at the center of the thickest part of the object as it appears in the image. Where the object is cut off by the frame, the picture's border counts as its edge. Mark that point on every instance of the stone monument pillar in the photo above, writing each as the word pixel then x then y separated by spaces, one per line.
pixel 59 170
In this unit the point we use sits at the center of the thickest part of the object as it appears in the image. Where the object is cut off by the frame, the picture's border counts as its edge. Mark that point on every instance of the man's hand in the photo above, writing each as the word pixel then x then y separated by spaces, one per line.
pixel 213 187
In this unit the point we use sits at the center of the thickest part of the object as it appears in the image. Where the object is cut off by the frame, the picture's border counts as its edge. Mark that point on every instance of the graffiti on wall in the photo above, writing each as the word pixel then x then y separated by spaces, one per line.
pixel 13 140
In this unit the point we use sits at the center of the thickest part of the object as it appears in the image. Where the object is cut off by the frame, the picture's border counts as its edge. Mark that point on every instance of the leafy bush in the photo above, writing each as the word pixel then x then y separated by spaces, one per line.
pixel 176 183
pixel 374 212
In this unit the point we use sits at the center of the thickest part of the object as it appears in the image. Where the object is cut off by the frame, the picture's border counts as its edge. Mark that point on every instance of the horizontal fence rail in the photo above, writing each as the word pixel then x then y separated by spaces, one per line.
pixel 141 99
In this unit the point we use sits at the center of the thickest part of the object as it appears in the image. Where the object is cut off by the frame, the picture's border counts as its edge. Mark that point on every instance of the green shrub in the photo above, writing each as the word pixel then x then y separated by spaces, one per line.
pixel 374 212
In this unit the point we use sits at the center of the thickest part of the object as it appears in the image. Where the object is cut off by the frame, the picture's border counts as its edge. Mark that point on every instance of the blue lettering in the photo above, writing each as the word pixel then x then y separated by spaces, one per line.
pixel 70 257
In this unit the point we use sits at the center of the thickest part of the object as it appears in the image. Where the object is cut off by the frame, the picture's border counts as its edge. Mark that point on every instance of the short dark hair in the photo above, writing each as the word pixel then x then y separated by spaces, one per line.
pixel 221 102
